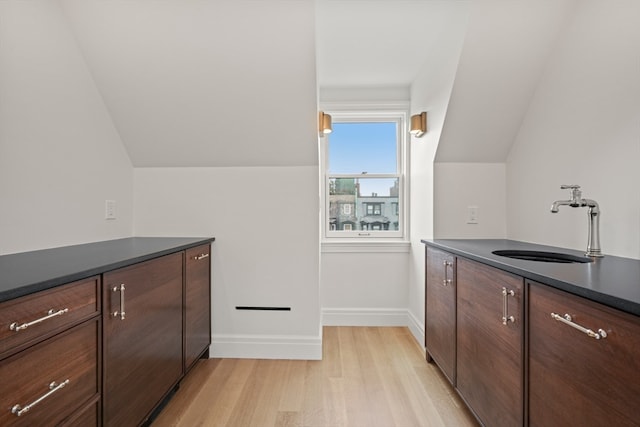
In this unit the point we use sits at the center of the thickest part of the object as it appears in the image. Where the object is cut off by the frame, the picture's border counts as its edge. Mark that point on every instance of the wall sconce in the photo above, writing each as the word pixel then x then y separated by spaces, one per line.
pixel 418 124
pixel 324 123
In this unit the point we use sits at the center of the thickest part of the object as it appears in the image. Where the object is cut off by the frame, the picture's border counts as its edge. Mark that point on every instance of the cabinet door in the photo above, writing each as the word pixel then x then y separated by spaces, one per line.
pixel 143 348
pixel 490 343
pixel 575 379
pixel 197 304
pixel 440 311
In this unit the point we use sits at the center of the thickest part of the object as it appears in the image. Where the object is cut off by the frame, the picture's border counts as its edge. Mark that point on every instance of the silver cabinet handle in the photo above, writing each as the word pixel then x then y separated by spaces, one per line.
pixel 50 314
pixel 120 289
pixel 505 306
pixel 201 256
pixel 567 320
pixel 446 281
pixel 18 410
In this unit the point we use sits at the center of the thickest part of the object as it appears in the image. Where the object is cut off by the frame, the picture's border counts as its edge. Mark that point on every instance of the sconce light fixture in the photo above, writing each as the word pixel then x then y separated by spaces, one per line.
pixel 324 123
pixel 418 124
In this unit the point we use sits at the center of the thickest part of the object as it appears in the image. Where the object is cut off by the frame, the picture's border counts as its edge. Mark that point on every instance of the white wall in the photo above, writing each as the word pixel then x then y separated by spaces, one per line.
pixel 430 92
pixel 583 127
pixel 365 288
pixel 266 253
pixel 460 185
pixel 60 155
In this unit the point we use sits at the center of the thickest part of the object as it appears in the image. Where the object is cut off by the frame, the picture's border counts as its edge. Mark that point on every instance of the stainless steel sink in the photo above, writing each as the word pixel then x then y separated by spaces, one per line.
pixel 542 256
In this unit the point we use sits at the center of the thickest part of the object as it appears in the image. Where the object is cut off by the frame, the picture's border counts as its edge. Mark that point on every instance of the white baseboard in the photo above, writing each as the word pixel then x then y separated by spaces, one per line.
pixel 416 327
pixel 306 347
pixel 266 347
pixel 364 317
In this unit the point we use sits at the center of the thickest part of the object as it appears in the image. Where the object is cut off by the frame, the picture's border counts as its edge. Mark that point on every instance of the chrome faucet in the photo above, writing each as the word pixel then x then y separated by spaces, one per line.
pixel 576 201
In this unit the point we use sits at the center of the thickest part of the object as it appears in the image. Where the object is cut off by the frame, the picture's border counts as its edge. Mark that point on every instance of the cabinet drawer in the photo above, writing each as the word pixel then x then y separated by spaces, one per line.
pixel 575 379
pixel 27 377
pixel 26 320
pixel 85 417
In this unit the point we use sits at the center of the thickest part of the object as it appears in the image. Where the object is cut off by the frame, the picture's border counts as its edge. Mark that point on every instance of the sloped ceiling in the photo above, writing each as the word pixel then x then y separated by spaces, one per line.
pixel 380 42
pixel 504 53
pixel 204 83
pixel 387 42
pixel 235 82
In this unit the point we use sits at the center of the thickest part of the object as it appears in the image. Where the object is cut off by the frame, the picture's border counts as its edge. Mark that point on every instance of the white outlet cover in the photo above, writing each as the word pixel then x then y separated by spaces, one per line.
pixel 472 214
pixel 109 209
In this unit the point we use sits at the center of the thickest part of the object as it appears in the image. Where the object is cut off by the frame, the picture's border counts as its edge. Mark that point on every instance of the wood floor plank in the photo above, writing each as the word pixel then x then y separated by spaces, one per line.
pixel 292 396
pixel 368 377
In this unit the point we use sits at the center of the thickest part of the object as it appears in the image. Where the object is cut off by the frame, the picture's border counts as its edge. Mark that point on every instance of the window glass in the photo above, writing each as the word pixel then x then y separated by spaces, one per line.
pixel 368 147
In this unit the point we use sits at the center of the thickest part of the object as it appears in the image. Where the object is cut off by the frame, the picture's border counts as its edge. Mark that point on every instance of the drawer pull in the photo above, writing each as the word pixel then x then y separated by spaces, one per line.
pixel 446 281
pixel 201 256
pixel 120 313
pixel 505 306
pixel 50 314
pixel 566 319
pixel 18 410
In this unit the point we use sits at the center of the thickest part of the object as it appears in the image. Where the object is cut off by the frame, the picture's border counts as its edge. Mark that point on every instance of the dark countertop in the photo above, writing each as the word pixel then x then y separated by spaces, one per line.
pixel 612 281
pixel 29 272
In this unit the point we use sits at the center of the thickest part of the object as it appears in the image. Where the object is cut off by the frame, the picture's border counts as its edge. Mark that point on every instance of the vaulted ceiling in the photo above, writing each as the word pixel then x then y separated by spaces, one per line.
pixel 217 82
pixel 204 83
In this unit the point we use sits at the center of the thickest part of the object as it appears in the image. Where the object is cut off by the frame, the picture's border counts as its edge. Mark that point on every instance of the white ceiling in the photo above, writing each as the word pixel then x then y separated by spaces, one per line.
pixel 204 82
pixel 507 45
pixel 379 42
pixel 235 82
pixel 373 43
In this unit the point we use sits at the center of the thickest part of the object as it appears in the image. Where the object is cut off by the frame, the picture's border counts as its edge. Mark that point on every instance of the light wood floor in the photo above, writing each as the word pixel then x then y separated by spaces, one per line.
pixel 368 377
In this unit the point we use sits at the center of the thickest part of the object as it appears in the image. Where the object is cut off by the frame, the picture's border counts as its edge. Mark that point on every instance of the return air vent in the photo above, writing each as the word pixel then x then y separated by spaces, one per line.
pixel 243 307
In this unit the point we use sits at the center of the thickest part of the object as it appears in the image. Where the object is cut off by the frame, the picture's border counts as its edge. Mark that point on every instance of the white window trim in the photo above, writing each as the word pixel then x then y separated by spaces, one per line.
pixel 375 242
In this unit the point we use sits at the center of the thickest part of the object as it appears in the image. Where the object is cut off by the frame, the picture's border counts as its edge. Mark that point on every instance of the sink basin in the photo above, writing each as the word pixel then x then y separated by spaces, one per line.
pixel 543 256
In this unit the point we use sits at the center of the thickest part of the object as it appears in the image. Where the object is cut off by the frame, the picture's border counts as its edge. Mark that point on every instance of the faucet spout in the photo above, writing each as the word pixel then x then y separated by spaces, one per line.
pixel 555 207
pixel 576 201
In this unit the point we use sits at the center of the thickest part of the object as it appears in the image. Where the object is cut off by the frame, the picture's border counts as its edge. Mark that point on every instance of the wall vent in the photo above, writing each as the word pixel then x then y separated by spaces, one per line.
pixel 244 307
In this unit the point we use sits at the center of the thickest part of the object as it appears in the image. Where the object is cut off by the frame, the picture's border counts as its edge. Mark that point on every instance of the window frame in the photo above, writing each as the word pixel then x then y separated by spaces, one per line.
pixel 346 114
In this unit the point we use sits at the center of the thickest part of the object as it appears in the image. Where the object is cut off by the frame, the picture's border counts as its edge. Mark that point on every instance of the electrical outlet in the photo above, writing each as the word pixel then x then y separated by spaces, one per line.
pixel 472 214
pixel 109 209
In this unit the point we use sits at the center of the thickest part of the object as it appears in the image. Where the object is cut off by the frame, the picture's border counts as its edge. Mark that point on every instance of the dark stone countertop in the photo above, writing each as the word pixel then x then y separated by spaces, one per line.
pixel 28 272
pixel 612 281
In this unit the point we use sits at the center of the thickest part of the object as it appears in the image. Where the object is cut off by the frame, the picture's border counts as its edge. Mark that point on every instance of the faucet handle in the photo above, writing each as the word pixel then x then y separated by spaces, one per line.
pixel 576 194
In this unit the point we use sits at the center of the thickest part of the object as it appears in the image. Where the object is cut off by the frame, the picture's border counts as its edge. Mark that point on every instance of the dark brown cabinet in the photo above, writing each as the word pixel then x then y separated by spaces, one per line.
pixel 490 343
pixel 105 349
pixel 143 357
pixel 440 311
pixel 197 305
pixel 577 375
pixel 50 355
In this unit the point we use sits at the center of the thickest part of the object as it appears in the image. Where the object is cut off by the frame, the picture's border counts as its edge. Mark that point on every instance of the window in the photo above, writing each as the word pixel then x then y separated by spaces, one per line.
pixel 363 163
pixel 373 208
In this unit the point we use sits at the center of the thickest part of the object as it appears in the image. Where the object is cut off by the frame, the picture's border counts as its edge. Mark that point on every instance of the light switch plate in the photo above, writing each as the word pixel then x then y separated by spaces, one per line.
pixel 472 214
pixel 109 209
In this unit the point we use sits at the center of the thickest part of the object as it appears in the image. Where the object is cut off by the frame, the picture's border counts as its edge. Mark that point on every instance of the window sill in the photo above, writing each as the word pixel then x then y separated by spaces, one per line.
pixel 360 246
